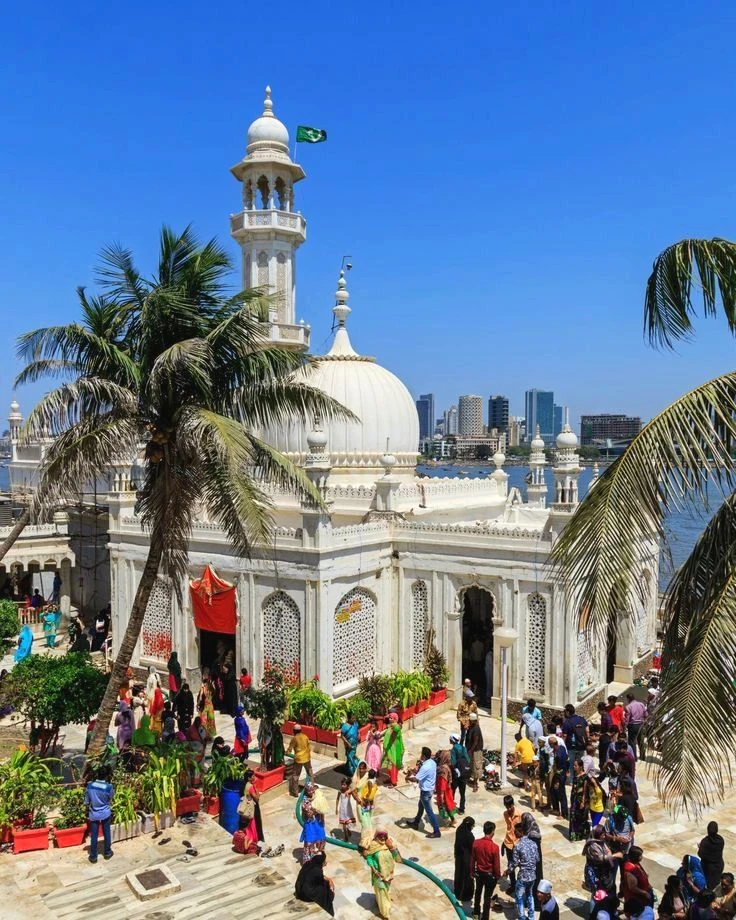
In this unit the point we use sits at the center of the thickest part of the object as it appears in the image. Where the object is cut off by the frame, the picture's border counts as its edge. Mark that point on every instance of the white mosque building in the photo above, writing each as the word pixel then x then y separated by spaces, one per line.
pixel 355 588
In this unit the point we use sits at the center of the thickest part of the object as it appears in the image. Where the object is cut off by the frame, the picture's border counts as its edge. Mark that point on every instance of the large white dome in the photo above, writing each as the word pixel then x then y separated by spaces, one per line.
pixel 380 400
pixel 267 136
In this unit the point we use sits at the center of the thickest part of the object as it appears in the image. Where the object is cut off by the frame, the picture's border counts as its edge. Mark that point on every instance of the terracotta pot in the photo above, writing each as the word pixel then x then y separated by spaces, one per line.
pixel 288 727
pixel 33 838
pixel 422 705
pixel 327 736
pixel 310 731
pixel 267 779
pixel 6 834
pixel 406 713
pixel 437 696
pixel 363 732
pixel 190 801
pixel 69 836
pixel 211 804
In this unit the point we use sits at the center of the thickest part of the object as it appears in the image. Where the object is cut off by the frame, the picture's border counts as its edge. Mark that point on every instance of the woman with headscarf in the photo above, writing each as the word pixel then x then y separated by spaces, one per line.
pixel 206 708
pixel 381 857
pixel 710 852
pixel 313 831
pixel 313 886
pixel 251 824
pixel 443 788
pixel 579 826
pixel 156 706
pixel 25 644
pixel 393 748
pixel 692 877
pixel 48 619
pixel 600 863
pixel 374 748
pixel 242 734
pixel 350 734
pixel 672 906
pixel 174 669
pixel 124 722
pixel 143 736
pixel 531 830
pixel 463 884
pixel 184 707
pixel 366 803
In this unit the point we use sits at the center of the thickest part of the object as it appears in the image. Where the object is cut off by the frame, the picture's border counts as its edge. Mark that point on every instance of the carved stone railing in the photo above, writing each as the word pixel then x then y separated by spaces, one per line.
pixel 31 531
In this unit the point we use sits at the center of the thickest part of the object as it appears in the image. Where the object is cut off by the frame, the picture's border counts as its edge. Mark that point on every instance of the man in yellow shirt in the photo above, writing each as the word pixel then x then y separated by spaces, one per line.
pixel 523 756
pixel 302 751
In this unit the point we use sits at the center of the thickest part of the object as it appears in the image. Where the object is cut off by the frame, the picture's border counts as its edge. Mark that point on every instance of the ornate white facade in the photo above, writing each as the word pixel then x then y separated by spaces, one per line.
pixel 354 588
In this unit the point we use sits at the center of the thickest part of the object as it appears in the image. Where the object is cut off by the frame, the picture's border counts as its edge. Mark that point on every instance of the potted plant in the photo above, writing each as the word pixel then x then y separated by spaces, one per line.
pixel 305 700
pixel 161 785
pixel 34 836
pixel 361 709
pixel 268 704
pixel 221 771
pixel 435 667
pixel 26 790
pixel 328 718
pixel 423 686
pixel 126 802
pixel 403 692
pixel 70 826
pixel 377 689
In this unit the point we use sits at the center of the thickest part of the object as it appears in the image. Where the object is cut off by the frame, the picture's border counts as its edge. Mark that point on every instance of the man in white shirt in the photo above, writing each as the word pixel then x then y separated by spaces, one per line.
pixel 426 778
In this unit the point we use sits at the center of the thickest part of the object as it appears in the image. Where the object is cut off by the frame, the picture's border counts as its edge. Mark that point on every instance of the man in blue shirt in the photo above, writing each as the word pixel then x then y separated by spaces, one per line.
pixel 98 799
pixel 524 858
pixel 426 777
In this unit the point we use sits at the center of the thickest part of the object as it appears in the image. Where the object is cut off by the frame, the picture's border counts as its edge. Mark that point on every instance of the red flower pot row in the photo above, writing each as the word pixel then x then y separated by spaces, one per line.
pixel 190 801
pixel 422 705
pixel 32 838
pixel 327 736
pixel 437 696
pixel 69 836
pixel 267 779
pixel 211 804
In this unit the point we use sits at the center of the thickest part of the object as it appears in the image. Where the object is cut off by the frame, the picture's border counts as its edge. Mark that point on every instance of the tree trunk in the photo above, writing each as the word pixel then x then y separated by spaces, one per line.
pixel 127 646
pixel 17 530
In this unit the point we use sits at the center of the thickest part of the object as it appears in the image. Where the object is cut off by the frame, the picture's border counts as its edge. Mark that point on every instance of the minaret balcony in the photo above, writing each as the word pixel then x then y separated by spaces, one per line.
pixel 243 223
pixel 286 335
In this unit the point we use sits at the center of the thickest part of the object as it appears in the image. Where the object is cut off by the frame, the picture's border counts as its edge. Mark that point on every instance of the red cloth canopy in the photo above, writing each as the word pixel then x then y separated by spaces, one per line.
pixel 213 603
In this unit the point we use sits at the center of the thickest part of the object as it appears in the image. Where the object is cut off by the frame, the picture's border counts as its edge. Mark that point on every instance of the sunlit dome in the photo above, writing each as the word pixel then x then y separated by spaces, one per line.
pixel 267 136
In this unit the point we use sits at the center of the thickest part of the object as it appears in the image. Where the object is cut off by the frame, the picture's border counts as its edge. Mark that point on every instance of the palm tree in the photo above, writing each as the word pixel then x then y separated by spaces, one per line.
pixel 677 458
pixel 186 371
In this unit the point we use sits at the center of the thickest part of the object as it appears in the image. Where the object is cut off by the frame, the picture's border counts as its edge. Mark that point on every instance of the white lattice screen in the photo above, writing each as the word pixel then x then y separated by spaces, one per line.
pixel 642 616
pixel 282 632
pixel 156 630
pixel 585 661
pixel 536 643
pixel 419 622
pixel 354 637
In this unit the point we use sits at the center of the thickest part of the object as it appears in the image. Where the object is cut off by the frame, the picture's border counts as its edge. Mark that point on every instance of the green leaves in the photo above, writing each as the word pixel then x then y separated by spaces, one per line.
pixel 9 625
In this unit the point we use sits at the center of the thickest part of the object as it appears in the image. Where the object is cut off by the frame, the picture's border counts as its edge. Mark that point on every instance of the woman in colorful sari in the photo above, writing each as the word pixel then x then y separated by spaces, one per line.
pixel 156 709
pixel 366 803
pixel 381 856
pixel 692 877
pixel 359 780
pixel 313 832
pixel 25 644
pixel 252 827
pixel 174 669
pixel 143 736
pixel 206 708
pixel 242 734
pixel 124 722
pixel 443 788
pixel 393 748
pixel 579 827
pixel 48 619
pixel 374 748
pixel 350 735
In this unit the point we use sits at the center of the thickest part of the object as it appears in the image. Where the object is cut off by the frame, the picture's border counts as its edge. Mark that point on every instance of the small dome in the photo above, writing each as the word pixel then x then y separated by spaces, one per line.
pixel 267 134
pixel 316 440
pixel 537 441
pixel 567 439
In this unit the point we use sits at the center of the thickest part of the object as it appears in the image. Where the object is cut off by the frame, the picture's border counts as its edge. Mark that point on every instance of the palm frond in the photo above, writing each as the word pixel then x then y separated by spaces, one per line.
pixel 671 461
pixel 71 403
pixel 274 467
pixel 693 719
pixel 46 367
pixel 182 372
pixel 269 403
pixel 709 265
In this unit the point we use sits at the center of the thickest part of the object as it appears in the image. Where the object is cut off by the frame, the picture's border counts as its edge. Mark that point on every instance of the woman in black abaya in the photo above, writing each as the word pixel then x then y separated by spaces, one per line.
pixel 463 884
pixel 313 886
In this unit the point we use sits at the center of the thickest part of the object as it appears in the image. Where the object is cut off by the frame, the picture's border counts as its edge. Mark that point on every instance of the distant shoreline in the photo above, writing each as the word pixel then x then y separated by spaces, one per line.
pixel 510 461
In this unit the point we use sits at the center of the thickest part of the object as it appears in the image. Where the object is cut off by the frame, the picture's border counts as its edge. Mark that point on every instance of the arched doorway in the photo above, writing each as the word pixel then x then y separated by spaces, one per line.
pixel 477 640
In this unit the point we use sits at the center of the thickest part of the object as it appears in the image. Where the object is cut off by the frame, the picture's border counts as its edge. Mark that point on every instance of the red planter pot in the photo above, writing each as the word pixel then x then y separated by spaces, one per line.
pixel 310 731
pixel 407 713
pixel 363 732
pixel 288 727
pixel 437 696
pixel 422 705
pixel 327 736
pixel 267 779
pixel 69 836
pixel 6 834
pixel 212 804
pixel 189 802
pixel 34 838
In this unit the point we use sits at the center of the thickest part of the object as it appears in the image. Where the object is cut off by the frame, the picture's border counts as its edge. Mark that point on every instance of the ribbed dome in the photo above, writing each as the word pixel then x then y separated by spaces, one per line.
pixel 267 136
pixel 380 400
pixel 567 438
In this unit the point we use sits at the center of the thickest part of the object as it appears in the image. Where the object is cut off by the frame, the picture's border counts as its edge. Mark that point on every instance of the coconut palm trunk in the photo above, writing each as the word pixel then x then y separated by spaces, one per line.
pixel 17 530
pixel 127 647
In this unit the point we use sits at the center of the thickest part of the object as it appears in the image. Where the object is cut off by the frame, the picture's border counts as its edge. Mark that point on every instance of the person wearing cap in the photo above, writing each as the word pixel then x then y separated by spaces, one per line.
pixel 466 705
pixel 301 750
pixel 474 747
pixel 460 769
pixel 548 909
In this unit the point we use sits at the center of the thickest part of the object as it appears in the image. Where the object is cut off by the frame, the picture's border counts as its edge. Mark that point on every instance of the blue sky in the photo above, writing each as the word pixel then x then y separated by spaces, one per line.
pixel 502 179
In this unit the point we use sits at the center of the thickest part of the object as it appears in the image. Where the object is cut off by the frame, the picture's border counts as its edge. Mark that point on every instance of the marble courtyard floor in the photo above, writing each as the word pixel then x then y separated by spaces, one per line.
pixel 220 884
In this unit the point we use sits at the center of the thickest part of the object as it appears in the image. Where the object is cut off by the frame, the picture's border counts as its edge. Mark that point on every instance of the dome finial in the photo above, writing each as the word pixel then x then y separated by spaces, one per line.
pixel 267 103
pixel 341 310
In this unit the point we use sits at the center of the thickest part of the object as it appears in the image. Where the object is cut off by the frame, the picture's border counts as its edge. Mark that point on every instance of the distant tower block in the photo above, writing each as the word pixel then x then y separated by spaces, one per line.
pixel 267 229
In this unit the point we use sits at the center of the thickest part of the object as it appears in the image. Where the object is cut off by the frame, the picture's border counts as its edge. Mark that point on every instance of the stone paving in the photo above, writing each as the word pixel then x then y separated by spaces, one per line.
pixel 26 880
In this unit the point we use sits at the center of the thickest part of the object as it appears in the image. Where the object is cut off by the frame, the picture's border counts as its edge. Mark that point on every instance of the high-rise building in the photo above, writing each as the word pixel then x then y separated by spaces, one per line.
pixel 470 415
pixel 515 431
pixel 557 413
pixel 540 411
pixel 498 414
pixel 451 420
pixel 425 410
pixel 604 427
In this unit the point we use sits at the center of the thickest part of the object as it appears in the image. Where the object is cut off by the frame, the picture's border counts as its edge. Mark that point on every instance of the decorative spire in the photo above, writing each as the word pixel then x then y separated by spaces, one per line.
pixel 341 310
pixel 267 103
pixel 388 461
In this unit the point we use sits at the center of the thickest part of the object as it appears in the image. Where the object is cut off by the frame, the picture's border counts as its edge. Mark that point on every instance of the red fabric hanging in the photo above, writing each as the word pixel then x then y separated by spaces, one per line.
pixel 213 603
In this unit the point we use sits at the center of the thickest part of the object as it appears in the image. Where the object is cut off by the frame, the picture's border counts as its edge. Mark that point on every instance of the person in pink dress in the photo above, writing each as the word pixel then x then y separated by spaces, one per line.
pixel 374 749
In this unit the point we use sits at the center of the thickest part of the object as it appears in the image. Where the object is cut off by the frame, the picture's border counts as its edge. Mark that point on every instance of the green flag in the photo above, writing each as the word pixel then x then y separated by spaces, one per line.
pixel 310 135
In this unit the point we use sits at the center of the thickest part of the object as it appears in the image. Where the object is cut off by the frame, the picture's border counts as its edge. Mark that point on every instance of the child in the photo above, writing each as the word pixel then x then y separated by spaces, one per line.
pixel 535 784
pixel 245 681
pixel 168 723
pixel 344 808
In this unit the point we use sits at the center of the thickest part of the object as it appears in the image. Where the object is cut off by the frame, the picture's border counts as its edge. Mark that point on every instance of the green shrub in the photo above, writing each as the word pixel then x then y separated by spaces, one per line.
pixel 360 708
pixel 377 689
pixel 9 626
pixel 72 810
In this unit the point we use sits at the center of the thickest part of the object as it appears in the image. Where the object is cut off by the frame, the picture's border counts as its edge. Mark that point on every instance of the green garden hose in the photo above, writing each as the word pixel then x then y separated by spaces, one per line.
pixel 410 863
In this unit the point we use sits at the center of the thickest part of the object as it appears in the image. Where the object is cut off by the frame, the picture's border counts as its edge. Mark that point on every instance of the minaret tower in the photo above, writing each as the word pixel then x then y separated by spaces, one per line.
pixel 268 229
pixel 536 489
pixel 15 424
pixel 566 469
